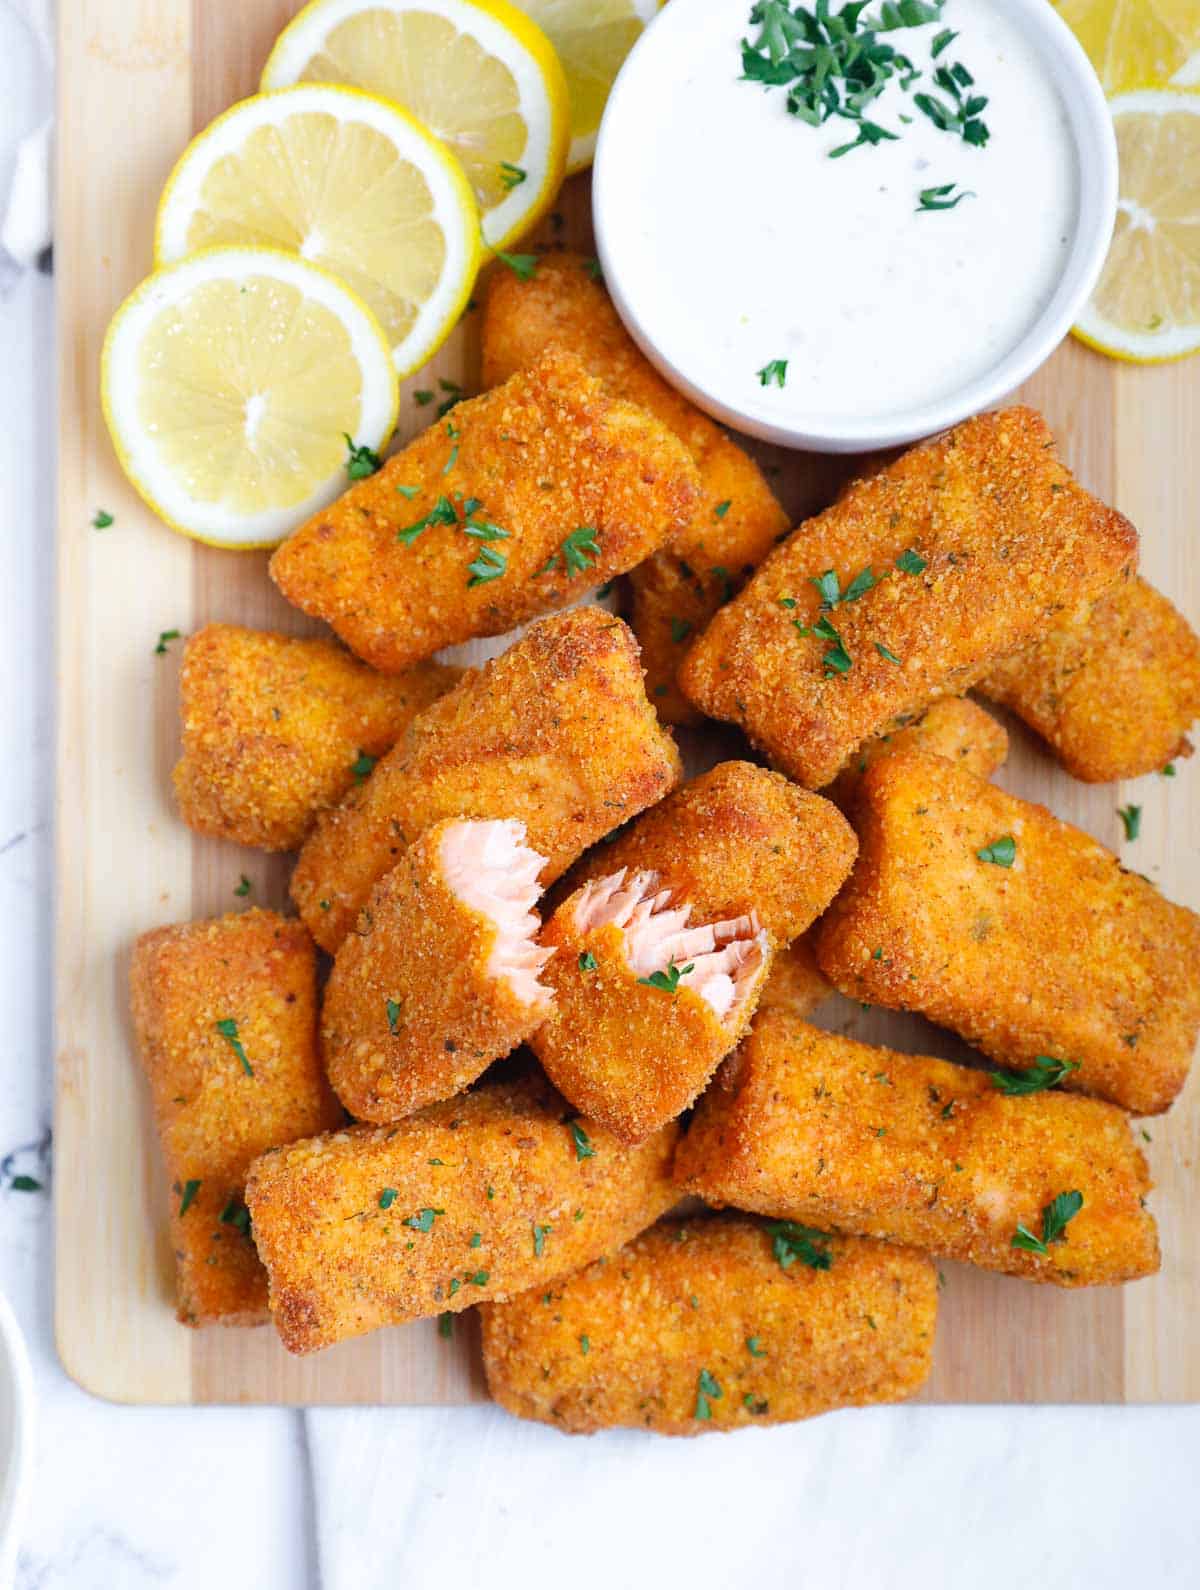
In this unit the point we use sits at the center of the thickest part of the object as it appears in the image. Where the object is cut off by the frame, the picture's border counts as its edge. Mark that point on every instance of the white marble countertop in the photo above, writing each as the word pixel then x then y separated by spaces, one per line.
pixel 268 1499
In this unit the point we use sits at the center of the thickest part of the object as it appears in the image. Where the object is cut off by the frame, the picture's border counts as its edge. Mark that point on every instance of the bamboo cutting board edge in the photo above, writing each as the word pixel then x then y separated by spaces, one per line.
pixel 137 78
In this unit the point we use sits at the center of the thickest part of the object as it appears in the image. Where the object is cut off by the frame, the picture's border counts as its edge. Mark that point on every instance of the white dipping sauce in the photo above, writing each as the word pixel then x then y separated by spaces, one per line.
pixel 741 242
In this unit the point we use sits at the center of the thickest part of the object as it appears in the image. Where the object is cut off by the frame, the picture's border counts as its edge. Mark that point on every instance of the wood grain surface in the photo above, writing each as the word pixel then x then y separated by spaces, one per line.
pixel 136 79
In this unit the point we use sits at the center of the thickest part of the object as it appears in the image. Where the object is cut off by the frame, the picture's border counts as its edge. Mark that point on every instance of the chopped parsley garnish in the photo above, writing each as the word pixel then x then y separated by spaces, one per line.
pixel 446 1326
pixel 392 1006
pixel 707 1390
pixel 592 267
pixel 362 766
pixel 480 1278
pixel 188 1198
pixel 1131 816
pixel 388 1197
pixel 1055 1218
pixel 579 551
pixel 790 1242
pixel 831 591
pixel 511 176
pixel 476 1240
pixel 488 565
pixel 451 460
pixel 753 1348
pixel 101 519
pixel 454 395
pixel 408 491
pixel 910 562
pixel 236 1214
pixel 583 1143
pixel 229 1031
pixel 945 37
pixel 1168 770
pixel 884 652
pixel 1001 852
pixel 423 1219
pixel 869 132
pixel 837 659
pixel 722 508
pixel 422 397
pixel 522 266
pixel 587 962
pixel 244 887
pixel 961 115
pixel 442 512
pixel 164 636
pixel 939 198
pixel 1043 1073
pixel 29 1184
pixel 360 461
pixel 540 1233
pixel 775 370
pixel 680 630
pixel 668 981
pixel 585 1345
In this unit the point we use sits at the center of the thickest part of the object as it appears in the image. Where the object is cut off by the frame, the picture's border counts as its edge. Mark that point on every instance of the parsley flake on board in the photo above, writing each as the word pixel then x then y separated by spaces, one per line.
pixel 446 1326
pixel 1131 817
pixel 1044 1073
pixel 360 461
pixel 1055 1218
pixel 523 266
pixel 32 1184
pixel 668 981
pixel 1001 852
pixel 229 1031
pixel 790 1242
pixel 101 519
pixel 244 887
pixel 164 637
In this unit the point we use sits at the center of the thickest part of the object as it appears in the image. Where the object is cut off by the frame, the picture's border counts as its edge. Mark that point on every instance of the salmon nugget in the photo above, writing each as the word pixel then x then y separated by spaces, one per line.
pixel 736 520
pixel 1115 691
pixel 275 729
pixel 811 1127
pixel 989 916
pixel 795 983
pixel 440 977
pixel 952 727
pixel 515 504
pixel 913 585
pixel 710 1324
pixel 735 840
pixel 646 1004
pixel 478 1197
pixel 556 733
pixel 224 1014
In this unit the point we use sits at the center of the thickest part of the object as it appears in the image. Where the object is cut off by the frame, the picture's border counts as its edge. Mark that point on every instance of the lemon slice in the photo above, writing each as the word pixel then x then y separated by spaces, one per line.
pixel 1137 43
pixel 477 73
pixel 230 382
pixel 592 38
pixel 347 181
pixel 1146 306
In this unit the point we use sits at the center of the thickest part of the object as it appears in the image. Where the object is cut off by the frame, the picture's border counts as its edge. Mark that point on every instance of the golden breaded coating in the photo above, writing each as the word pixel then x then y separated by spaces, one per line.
pixel 952 727
pixel 795 983
pixel 1114 691
pixel 738 839
pixel 648 999
pixel 514 504
pixel 913 585
pixel 224 1014
pixel 556 733
pixel 697 1326
pixel 804 1125
pixel 989 916
pixel 275 727
pixel 736 520
pixel 440 977
pixel 478 1197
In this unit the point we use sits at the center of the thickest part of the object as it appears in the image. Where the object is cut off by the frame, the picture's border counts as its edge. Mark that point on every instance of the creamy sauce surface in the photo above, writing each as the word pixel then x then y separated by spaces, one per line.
pixel 741 242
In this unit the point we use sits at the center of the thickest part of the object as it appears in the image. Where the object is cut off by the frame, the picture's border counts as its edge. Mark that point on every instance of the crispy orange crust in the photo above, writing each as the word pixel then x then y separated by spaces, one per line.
pixel 1115 691
pixel 540 457
pixel 557 733
pixel 736 520
pixel 1062 954
pixel 628 1340
pixel 273 725
pixel 795 983
pixel 952 727
pixel 1008 538
pixel 738 839
pixel 411 1014
pixel 811 1127
pixel 629 1055
pixel 501 1164
pixel 258 970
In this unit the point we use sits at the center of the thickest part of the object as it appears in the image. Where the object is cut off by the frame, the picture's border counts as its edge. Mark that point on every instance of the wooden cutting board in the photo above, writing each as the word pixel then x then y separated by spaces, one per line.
pixel 136 79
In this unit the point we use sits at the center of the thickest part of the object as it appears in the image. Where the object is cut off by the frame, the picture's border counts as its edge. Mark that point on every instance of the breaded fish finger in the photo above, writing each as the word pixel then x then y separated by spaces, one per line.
pixel 808 1126
pixel 737 839
pixel 514 504
pixel 224 1015
pixel 913 585
pixel 274 729
pixel 795 983
pixel 556 733
pixel 736 520
pixel 697 1325
pixel 441 976
pixel 478 1197
pixel 1114 691
pixel 952 727
pixel 989 916
pixel 647 1000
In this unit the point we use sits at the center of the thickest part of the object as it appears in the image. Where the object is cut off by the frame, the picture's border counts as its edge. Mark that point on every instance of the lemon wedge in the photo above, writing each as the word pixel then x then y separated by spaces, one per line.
pixel 1146 306
pixel 592 38
pixel 230 383
pixel 1137 43
pixel 477 73
pixel 346 181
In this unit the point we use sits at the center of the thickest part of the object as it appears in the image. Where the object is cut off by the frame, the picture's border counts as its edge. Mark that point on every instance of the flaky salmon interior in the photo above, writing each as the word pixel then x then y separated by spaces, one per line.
pixel 719 961
pixel 493 871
